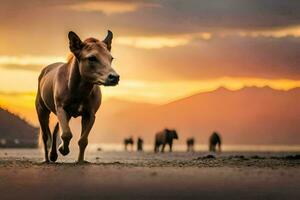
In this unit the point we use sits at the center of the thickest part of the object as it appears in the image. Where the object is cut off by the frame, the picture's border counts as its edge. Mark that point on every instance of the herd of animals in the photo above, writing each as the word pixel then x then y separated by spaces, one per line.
pixel 166 137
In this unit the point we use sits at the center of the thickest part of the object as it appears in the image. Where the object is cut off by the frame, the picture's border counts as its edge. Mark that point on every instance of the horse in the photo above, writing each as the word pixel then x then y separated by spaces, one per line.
pixel 72 89
pixel 215 140
pixel 164 137
pixel 128 141
pixel 139 144
pixel 190 144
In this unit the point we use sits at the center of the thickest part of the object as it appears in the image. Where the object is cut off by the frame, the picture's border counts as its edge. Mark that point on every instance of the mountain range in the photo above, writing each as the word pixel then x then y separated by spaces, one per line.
pixel 16 132
pixel 250 115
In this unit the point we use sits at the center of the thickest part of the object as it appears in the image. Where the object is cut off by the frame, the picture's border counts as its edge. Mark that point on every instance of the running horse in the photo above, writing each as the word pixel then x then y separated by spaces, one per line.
pixel 71 90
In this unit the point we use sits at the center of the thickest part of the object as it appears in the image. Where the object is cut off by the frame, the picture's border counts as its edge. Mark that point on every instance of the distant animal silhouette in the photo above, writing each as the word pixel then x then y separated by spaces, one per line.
pixel 165 137
pixel 140 143
pixel 190 144
pixel 215 140
pixel 72 89
pixel 128 141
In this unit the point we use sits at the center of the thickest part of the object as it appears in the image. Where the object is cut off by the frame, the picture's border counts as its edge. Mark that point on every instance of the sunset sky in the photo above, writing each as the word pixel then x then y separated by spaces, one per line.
pixel 163 50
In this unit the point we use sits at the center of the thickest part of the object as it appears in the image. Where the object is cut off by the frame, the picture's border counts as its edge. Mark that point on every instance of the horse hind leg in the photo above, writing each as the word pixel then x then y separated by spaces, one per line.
pixel 53 153
pixel 43 116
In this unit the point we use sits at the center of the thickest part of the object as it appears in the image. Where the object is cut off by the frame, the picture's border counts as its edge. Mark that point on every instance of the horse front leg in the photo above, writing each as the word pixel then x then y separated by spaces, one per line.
pixel 53 153
pixel 170 144
pixel 66 136
pixel 87 123
pixel 163 147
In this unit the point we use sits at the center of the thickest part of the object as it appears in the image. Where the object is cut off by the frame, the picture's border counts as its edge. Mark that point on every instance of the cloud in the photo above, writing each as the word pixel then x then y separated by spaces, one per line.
pixel 110 7
pixel 156 42
pixel 176 16
pixel 293 31
pixel 151 17
pixel 162 43
pixel 17 93
pixel 231 56
pixel 191 57
pixel 27 62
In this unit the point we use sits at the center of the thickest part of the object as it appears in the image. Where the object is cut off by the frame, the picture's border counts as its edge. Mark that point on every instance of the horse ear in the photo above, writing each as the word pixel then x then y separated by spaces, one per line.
pixel 75 43
pixel 108 40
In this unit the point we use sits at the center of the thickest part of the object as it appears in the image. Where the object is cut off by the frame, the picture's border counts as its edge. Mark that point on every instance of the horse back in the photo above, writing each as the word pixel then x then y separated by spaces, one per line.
pixel 160 137
pixel 45 85
pixel 48 69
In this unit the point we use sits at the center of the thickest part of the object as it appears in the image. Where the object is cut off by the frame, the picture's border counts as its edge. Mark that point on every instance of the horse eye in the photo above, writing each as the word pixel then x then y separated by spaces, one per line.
pixel 92 58
pixel 112 58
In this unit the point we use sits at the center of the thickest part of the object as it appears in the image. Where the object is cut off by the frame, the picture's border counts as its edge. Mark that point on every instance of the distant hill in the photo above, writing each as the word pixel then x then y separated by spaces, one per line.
pixel 16 132
pixel 247 116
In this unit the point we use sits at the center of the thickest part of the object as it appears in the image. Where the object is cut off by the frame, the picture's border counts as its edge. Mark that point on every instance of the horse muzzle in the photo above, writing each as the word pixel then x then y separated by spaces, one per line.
pixel 112 80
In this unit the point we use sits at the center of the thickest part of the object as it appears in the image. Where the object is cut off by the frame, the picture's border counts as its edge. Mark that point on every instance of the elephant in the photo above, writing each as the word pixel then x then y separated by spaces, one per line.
pixel 164 137
pixel 190 144
pixel 215 140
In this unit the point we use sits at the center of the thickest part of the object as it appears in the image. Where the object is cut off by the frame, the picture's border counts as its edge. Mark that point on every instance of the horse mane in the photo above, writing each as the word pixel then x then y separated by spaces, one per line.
pixel 70 57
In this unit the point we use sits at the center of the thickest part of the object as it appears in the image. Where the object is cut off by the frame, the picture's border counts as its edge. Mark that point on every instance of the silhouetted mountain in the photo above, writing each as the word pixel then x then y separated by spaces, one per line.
pixel 248 116
pixel 16 132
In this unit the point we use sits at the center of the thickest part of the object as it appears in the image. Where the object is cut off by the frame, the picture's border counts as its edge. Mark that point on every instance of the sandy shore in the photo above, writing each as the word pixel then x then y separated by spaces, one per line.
pixel 195 177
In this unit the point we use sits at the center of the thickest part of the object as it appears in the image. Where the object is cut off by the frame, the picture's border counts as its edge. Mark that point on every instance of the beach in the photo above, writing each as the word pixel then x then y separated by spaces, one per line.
pixel 145 175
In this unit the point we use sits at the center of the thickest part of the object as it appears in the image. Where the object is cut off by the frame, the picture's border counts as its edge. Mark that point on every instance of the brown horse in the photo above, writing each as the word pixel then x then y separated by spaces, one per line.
pixel 215 140
pixel 163 138
pixel 190 144
pixel 128 141
pixel 71 90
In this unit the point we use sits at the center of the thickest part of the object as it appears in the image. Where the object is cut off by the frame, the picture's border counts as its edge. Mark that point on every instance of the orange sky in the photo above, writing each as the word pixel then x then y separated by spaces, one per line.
pixel 164 50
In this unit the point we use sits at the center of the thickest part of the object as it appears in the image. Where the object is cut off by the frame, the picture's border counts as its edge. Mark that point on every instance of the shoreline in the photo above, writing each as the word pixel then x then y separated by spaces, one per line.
pixel 236 161
pixel 132 175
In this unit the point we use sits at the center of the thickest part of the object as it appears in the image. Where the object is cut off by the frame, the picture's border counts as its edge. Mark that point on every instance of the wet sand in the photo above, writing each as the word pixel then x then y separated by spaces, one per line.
pixel 124 175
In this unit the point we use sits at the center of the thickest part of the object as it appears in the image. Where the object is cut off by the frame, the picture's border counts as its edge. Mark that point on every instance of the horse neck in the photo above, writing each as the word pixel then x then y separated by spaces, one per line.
pixel 75 82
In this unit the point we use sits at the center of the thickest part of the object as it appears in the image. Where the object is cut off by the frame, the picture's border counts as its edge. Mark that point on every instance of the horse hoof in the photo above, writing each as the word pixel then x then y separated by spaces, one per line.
pixel 81 162
pixel 64 151
pixel 53 157
pixel 45 162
